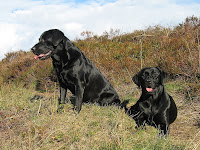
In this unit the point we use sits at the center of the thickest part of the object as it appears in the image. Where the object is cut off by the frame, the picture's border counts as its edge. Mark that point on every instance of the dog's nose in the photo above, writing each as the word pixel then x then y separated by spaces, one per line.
pixel 148 80
pixel 33 48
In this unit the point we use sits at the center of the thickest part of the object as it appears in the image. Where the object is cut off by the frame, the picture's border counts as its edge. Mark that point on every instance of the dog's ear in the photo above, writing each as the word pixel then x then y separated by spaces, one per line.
pixel 68 44
pixel 57 37
pixel 54 36
pixel 137 79
pixel 163 75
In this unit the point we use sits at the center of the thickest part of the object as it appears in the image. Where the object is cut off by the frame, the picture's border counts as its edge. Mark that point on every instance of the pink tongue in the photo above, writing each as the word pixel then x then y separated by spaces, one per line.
pixel 36 57
pixel 41 55
pixel 149 89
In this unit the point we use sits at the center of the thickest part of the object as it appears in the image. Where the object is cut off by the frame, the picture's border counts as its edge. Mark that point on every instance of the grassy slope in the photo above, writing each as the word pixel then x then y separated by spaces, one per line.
pixel 27 125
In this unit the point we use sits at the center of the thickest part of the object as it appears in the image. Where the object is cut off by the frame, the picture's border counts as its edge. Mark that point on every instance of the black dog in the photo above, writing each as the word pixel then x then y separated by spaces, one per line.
pixel 155 106
pixel 74 71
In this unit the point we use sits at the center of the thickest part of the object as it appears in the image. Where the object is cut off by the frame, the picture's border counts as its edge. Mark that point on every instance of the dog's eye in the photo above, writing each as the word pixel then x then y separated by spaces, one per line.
pixel 155 76
pixel 144 76
pixel 50 45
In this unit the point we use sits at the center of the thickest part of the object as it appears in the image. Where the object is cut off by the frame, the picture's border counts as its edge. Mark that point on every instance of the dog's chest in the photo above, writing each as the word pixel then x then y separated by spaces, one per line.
pixel 64 75
pixel 149 106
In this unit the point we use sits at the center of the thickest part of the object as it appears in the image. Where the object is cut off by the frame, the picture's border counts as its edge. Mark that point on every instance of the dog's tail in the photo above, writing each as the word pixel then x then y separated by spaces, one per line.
pixel 124 105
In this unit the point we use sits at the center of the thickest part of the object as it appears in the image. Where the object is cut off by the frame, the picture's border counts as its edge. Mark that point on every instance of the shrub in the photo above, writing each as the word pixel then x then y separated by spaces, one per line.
pixel 120 56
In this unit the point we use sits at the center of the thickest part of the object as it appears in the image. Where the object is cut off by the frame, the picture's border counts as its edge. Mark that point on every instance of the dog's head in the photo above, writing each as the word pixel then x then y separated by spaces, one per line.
pixel 47 44
pixel 150 79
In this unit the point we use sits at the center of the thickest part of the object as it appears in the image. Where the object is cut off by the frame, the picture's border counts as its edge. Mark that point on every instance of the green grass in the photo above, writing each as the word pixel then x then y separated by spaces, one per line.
pixel 174 86
pixel 37 125
pixel 26 125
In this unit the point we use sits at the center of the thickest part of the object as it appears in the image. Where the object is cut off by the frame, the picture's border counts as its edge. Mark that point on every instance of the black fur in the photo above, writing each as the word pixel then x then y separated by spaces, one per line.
pixel 155 106
pixel 74 71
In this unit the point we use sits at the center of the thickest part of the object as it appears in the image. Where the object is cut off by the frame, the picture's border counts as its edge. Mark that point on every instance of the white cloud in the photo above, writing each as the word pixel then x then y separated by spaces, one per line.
pixel 23 21
pixel 8 37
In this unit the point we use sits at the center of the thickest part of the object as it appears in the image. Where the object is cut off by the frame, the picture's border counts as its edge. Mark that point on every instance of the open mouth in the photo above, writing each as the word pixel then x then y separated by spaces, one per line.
pixel 150 89
pixel 43 56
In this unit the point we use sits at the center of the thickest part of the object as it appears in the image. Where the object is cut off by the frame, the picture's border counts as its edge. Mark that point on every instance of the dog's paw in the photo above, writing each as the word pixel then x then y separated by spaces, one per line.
pixel 140 127
pixel 162 135
pixel 124 103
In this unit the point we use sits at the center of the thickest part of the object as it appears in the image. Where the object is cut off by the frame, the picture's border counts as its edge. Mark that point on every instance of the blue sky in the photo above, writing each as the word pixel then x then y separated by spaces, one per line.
pixel 23 21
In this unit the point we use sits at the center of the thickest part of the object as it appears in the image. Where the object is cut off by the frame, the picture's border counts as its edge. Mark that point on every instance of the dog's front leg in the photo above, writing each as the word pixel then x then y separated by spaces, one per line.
pixel 61 100
pixel 78 97
pixel 164 130
pixel 63 92
pixel 140 122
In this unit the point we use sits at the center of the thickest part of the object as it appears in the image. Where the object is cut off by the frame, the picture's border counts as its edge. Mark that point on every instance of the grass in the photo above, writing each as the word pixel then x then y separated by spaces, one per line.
pixel 120 56
pixel 26 124
pixel 37 125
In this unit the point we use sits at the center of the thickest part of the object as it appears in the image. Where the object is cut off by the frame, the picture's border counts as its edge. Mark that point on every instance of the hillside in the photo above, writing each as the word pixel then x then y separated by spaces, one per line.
pixel 27 123
pixel 120 56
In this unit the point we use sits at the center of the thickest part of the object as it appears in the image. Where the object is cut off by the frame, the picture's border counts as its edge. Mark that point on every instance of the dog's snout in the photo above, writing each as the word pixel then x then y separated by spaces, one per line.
pixel 148 80
pixel 33 49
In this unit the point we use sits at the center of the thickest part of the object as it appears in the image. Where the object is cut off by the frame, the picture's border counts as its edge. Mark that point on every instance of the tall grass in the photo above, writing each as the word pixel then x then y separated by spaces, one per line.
pixel 22 126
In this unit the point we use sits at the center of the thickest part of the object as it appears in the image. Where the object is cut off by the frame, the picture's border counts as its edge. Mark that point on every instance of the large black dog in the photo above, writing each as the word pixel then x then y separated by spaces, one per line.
pixel 155 106
pixel 74 71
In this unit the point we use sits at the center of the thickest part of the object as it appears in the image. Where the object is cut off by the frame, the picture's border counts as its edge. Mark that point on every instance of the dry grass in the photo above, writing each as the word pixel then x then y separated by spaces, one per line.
pixel 27 125
pixel 37 125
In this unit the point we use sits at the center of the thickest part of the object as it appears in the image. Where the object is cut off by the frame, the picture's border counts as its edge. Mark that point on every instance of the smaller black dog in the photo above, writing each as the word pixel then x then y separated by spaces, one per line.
pixel 155 106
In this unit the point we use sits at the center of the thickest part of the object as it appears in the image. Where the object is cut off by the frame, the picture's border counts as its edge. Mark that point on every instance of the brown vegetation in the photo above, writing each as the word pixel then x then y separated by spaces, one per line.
pixel 120 56
pixel 26 125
